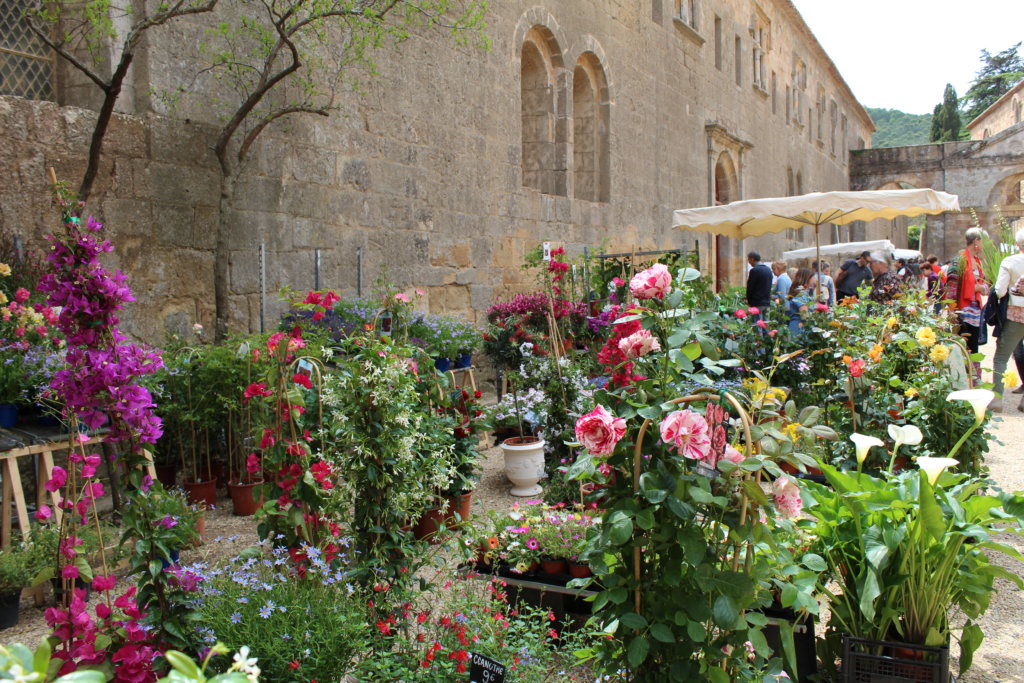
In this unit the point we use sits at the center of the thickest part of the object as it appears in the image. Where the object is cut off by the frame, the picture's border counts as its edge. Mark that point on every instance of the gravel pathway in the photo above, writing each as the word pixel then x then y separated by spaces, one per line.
pixel 1000 658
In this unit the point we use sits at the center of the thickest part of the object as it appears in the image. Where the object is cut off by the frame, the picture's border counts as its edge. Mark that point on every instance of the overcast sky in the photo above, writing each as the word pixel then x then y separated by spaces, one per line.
pixel 899 54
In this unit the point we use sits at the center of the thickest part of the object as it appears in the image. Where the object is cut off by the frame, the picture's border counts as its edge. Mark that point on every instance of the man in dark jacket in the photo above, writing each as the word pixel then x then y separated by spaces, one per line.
pixel 759 282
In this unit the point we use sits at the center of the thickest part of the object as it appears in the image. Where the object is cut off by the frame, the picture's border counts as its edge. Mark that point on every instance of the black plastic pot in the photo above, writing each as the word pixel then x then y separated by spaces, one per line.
pixel 9 602
pixel 879 660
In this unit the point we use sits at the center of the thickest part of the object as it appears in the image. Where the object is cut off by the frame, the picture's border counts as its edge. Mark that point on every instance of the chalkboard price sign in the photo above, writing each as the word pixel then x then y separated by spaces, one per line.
pixel 485 670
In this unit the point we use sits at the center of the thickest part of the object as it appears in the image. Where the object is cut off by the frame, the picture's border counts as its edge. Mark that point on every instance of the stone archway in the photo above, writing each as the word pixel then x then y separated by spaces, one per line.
pixel 726 190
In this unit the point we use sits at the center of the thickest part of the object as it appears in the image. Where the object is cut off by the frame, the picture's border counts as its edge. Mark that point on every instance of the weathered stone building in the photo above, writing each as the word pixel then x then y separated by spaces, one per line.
pixel 586 124
pixel 1007 111
pixel 985 174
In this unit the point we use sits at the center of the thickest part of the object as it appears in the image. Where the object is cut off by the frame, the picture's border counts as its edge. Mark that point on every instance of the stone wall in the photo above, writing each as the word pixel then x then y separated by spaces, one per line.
pixel 442 179
pixel 985 174
pixel 157 195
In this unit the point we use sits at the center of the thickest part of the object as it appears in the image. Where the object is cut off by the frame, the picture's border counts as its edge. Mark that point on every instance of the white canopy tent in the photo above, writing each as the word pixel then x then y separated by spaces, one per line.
pixel 852 250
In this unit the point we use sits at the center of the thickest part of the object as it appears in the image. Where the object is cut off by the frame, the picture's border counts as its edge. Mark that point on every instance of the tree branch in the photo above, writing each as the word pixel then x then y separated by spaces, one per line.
pixel 251 136
pixel 67 56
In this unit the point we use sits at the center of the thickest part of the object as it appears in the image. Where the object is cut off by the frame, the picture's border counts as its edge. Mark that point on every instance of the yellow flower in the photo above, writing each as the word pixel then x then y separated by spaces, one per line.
pixel 876 352
pixel 939 353
pixel 5 269
pixel 911 392
pixel 891 323
pixel 3 298
pixel 792 431
pixel 926 337
pixel 1010 379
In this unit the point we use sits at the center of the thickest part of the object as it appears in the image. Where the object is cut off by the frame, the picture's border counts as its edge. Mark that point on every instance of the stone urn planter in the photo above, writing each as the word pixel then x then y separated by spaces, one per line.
pixel 524 464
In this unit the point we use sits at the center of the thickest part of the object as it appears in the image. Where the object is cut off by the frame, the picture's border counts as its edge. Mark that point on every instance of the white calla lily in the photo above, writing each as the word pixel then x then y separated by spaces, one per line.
pixel 978 398
pixel 933 466
pixel 863 442
pixel 905 434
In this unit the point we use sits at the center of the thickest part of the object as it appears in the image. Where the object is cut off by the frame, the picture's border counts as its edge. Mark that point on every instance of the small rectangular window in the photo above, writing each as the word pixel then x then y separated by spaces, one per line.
pixel 775 94
pixel 656 11
pixel 718 43
pixel 738 56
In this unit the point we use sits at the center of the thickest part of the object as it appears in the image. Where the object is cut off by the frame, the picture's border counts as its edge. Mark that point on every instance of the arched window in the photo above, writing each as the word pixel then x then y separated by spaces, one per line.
pixel 544 128
pixel 1017 113
pixel 590 130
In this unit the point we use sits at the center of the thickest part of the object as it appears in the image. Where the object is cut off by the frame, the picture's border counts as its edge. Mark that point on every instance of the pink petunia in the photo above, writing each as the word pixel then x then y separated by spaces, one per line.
pixel 740 313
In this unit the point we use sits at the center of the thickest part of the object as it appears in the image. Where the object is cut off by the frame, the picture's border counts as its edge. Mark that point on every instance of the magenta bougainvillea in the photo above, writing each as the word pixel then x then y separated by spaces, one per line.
pixel 100 381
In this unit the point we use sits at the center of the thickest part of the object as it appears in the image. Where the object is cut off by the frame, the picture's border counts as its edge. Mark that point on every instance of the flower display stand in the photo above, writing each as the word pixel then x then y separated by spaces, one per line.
pixel 550 591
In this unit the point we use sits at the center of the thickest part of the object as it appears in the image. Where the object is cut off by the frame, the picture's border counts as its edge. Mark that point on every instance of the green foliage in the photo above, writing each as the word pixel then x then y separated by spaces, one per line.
pixel 902 553
pixel 20 664
pixel 258 600
pixel 159 524
pixel 999 73
pixel 946 124
pixel 690 534
pixel 431 644
pixel 895 128
pixel 19 564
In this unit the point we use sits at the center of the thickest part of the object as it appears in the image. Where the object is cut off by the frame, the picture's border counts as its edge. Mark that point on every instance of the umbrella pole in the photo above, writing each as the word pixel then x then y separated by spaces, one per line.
pixel 817 263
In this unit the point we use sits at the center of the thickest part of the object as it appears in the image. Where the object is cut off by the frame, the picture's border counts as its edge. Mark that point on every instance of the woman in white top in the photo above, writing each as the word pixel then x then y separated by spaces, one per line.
pixel 1011 279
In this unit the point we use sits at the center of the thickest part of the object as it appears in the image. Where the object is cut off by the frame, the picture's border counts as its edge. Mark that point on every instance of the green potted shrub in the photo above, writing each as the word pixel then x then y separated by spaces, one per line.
pixel 18 564
pixel 11 380
pixel 906 570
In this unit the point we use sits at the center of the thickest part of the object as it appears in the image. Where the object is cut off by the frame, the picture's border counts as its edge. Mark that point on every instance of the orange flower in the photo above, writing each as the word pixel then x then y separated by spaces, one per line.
pixel 492 542
pixel 876 352
pixel 847 360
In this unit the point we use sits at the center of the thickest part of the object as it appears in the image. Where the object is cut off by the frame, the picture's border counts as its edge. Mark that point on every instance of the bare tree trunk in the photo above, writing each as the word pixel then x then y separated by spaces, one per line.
pixel 99 131
pixel 221 274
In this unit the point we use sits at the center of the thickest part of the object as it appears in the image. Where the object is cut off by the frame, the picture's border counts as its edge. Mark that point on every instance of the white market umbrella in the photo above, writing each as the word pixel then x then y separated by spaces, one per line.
pixel 753 217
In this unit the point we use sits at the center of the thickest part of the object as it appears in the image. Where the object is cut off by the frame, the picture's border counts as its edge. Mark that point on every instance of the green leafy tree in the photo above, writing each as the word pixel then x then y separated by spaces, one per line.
pixel 894 128
pixel 283 57
pixel 946 122
pixel 999 73
pixel 83 34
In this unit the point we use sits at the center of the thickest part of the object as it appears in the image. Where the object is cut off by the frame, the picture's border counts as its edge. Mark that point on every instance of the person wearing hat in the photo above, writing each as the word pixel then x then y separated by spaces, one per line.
pixel 887 285
pixel 852 274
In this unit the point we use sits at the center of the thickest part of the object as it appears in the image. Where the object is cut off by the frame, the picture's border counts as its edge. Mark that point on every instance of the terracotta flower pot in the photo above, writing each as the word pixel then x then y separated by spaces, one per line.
pixel 579 571
pixel 243 500
pixel 201 492
pixel 200 530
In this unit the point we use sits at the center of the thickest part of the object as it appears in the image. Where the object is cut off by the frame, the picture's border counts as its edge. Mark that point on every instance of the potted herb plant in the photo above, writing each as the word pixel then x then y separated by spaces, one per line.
pixel 11 378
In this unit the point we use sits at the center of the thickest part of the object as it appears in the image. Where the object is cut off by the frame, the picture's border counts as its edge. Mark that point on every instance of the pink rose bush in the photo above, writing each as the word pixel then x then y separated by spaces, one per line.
pixel 653 283
pixel 599 431
pixel 639 344
pixel 787 498
pixel 688 432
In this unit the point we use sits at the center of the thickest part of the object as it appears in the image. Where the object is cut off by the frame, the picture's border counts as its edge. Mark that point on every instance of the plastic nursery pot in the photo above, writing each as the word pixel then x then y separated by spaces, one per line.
pixel 554 566
pixel 442 364
pixel 458 504
pixel 428 525
pixel 243 498
pixel 9 603
pixel 167 475
pixel 8 415
pixel 579 571
pixel 524 464
pixel 463 361
pixel 201 492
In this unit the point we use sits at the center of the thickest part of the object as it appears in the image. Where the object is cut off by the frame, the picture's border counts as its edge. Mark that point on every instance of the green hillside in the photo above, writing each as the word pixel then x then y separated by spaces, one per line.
pixel 897 128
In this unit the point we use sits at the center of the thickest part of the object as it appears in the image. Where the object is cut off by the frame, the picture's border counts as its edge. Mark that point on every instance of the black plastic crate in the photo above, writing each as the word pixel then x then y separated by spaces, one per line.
pixel 876 661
